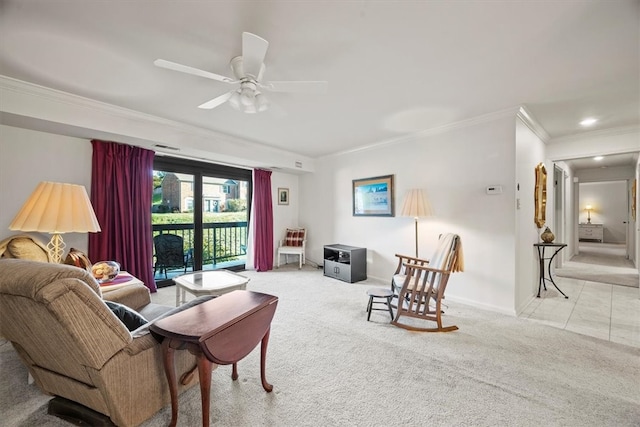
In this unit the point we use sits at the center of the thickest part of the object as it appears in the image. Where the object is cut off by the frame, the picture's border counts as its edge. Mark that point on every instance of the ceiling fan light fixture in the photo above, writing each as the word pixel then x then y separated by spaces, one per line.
pixel 247 97
pixel 262 103
pixel 247 100
pixel 234 100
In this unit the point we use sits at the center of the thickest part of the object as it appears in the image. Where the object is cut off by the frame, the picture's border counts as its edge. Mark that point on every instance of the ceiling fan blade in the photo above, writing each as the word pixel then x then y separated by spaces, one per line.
pixel 190 70
pixel 318 87
pixel 254 49
pixel 216 101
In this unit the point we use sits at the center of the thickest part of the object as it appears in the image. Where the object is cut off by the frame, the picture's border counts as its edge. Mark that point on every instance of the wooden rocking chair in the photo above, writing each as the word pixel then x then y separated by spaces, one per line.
pixel 424 283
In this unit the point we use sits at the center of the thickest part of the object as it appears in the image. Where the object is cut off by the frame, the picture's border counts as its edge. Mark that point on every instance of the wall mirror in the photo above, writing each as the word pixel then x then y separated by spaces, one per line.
pixel 540 195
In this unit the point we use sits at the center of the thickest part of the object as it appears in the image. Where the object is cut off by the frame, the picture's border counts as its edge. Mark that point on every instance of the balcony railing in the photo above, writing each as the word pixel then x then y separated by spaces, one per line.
pixel 223 244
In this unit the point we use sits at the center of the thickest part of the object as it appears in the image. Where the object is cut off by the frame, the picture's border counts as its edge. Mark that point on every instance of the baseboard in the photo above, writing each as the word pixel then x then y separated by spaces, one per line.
pixel 77 414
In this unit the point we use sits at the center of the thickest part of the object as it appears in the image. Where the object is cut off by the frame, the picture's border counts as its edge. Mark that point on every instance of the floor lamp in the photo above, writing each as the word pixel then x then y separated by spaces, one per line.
pixel 416 205
pixel 57 208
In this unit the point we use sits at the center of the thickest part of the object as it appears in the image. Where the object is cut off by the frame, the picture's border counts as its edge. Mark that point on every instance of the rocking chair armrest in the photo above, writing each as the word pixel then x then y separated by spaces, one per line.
pixel 424 268
pixel 402 259
pixel 412 259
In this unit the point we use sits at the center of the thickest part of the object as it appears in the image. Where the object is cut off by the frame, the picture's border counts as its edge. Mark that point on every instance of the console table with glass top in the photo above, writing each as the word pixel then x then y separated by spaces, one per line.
pixel 556 247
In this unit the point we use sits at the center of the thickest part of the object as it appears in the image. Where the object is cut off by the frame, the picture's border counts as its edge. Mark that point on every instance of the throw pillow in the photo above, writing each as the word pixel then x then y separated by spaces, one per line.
pixel 26 248
pixel 78 258
pixel 131 318
pixel 295 237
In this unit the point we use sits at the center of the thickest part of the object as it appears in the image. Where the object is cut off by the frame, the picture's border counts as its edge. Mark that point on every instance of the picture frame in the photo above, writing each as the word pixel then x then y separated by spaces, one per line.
pixel 373 196
pixel 283 196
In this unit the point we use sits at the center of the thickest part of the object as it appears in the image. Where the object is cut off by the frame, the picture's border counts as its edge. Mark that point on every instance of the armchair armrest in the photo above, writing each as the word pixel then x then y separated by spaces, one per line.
pixel 140 344
pixel 134 296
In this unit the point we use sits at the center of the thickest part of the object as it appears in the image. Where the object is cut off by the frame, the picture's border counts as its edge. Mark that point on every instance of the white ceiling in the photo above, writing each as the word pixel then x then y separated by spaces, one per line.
pixel 610 161
pixel 393 67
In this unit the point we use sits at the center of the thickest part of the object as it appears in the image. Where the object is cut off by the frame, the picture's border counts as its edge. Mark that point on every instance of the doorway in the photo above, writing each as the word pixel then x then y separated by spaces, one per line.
pixel 559 177
pixel 603 206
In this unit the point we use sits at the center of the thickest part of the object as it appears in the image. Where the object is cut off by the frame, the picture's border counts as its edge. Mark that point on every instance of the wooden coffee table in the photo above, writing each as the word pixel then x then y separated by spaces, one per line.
pixel 223 330
pixel 211 282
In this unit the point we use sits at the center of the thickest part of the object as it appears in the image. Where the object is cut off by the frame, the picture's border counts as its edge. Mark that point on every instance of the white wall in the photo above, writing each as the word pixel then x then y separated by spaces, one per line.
pixel 284 216
pixel 29 157
pixel 454 168
pixel 530 150
pixel 609 202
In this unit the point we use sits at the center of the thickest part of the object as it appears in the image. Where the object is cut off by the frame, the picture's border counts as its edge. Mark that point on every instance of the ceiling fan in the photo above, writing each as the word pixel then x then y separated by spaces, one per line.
pixel 248 70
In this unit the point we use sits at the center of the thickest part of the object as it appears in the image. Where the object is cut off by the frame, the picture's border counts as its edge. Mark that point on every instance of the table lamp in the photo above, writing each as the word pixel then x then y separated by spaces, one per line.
pixel 57 208
pixel 416 205
pixel 589 207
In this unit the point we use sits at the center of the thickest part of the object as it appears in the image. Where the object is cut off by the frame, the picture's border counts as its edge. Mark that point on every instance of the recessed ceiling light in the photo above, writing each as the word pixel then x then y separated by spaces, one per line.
pixel 588 122
pixel 598 158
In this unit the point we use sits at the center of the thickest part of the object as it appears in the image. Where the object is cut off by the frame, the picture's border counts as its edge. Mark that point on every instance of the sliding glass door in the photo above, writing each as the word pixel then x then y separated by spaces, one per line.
pixel 224 222
pixel 200 217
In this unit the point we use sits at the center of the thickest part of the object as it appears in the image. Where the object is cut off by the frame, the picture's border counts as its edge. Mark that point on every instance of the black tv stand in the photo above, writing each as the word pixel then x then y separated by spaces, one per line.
pixel 346 263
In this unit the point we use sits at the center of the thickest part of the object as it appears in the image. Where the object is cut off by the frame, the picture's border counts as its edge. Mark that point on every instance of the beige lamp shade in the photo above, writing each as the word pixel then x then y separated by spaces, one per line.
pixel 415 204
pixel 57 208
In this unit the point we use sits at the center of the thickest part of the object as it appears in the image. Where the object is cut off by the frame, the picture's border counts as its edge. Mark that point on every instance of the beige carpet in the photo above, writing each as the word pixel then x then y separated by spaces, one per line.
pixel 603 263
pixel 330 367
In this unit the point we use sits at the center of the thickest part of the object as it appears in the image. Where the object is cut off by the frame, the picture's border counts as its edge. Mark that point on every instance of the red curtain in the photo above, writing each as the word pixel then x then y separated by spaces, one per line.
pixel 263 220
pixel 121 191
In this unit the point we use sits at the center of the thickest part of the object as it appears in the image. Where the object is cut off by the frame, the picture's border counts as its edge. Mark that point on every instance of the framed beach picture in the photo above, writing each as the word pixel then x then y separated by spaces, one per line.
pixel 283 196
pixel 373 196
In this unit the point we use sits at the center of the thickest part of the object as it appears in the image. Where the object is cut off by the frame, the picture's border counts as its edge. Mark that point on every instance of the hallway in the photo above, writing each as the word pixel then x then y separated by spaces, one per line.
pixel 596 306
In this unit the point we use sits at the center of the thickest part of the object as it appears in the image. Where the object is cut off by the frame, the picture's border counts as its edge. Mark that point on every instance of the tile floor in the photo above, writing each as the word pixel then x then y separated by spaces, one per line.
pixel 601 310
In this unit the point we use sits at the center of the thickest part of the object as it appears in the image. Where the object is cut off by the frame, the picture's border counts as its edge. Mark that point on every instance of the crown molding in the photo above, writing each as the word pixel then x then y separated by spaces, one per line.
pixel 532 123
pixel 484 118
pixel 29 91
pixel 600 133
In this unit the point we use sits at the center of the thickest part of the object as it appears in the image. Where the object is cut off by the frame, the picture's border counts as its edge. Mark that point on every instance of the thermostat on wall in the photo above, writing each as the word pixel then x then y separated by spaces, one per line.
pixel 494 189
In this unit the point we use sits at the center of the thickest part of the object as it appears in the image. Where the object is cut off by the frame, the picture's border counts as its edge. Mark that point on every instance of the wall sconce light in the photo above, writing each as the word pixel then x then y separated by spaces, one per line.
pixel 589 208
